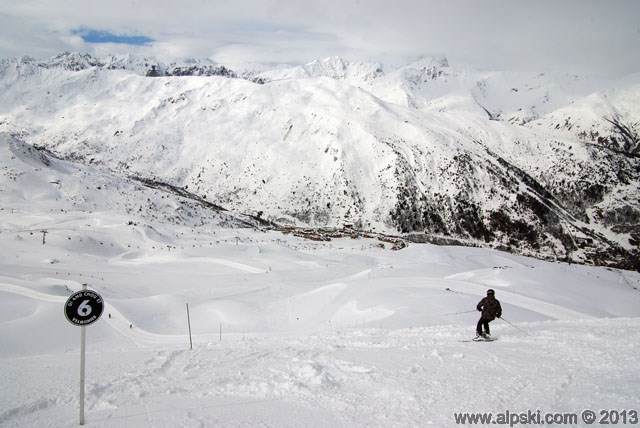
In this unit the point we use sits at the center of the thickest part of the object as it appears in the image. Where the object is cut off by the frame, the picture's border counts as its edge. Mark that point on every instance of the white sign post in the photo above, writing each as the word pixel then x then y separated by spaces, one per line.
pixel 83 308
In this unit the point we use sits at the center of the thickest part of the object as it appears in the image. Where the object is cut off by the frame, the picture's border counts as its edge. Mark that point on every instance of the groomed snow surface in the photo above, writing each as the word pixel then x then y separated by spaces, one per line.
pixel 290 333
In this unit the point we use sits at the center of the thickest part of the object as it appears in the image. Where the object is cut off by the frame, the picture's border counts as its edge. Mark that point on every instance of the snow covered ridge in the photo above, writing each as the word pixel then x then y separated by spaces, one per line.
pixel 148 67
pixel 531 163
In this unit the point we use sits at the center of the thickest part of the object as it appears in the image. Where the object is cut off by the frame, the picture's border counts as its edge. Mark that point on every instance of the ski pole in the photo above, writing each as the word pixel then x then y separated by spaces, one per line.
pixel 514 326
pixel 458 313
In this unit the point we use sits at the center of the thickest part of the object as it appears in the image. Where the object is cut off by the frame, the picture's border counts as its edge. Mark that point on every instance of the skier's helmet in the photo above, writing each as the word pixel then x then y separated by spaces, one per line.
pixel 490 292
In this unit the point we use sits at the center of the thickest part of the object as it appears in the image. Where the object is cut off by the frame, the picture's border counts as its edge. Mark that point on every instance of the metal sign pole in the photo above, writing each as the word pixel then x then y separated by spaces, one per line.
pixel 83 340
pixel 82 363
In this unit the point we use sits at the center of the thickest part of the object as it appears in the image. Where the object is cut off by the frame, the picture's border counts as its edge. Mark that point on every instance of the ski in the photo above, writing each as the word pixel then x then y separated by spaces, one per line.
pixel 481 339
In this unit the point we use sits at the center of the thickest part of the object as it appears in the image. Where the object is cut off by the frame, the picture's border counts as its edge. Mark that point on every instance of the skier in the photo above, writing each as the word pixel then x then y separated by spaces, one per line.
pixel 490 308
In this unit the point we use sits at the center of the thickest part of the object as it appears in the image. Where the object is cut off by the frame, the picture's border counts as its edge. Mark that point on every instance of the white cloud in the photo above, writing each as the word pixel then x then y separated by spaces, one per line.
pixel 570 34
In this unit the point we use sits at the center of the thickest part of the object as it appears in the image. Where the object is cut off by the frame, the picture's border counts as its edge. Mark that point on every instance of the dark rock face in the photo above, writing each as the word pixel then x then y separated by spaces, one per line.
pixel 207 71
pixel 544 218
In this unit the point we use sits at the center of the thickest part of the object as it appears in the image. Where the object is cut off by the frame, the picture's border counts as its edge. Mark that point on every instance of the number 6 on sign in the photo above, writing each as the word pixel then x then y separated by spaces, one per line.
pixel 84 310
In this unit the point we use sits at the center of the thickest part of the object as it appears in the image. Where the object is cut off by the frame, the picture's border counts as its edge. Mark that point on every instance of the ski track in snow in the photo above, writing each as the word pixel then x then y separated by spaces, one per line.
pixel 168 259
pixel 534 305
pixel 25 291
pixel 328 299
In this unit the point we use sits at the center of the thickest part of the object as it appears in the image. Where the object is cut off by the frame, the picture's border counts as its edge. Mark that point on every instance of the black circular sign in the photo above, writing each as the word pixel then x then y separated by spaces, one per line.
pixel 83 307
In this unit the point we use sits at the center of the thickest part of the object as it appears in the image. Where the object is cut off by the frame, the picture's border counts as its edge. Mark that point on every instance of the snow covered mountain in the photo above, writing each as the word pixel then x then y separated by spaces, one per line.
pixel 114 180
pixel 536 164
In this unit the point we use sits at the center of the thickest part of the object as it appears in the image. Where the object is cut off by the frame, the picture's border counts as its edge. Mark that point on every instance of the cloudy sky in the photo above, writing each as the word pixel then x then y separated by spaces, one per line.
pixel 570 35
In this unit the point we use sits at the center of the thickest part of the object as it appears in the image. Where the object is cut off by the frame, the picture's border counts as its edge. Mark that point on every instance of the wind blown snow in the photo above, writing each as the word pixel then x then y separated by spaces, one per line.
pixel 286 332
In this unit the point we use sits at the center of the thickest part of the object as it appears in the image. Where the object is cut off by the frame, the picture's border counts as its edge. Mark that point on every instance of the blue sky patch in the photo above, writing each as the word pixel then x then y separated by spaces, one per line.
pixel 96 36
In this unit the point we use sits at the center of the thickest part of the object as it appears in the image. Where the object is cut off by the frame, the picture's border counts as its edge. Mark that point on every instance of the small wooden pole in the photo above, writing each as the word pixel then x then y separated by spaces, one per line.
pixel 189 323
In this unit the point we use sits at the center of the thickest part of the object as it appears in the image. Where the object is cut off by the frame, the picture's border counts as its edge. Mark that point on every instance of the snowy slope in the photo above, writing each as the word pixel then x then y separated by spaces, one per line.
pixel 286 332
pixel 494 159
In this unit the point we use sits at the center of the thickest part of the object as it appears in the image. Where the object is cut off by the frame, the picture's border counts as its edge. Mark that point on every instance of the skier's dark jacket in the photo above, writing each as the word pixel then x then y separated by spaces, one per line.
pixel 490 308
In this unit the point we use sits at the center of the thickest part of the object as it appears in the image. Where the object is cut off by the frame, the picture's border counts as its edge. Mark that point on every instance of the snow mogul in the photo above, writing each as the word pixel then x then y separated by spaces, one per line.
pixel 491 309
